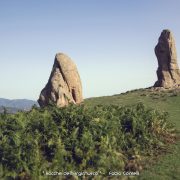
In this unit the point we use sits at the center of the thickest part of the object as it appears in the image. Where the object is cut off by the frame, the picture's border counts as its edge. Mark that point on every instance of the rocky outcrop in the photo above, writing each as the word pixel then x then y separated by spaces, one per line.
pixel 64 84
pixel 168 72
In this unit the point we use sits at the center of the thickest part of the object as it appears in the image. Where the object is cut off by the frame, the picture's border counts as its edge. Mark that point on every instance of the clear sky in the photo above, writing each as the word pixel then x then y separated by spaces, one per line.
pixel 111 41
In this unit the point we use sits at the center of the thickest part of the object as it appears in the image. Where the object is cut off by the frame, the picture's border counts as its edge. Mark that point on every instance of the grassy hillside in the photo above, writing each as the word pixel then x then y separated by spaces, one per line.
pixel 127 132
pixel 165 166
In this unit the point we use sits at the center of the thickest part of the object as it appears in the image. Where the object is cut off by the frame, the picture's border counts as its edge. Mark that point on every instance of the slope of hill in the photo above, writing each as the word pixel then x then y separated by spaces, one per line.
pixel 16 104
pixel 166 166
pixel 90 137
pixel 10 110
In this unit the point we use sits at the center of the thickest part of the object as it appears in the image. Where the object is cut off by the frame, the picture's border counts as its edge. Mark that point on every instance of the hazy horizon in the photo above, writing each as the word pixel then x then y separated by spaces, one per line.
pixel 111 42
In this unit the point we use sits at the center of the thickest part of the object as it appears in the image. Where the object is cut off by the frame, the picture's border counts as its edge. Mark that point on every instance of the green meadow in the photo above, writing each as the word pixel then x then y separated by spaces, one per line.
pixel 136 131
pixel 165 166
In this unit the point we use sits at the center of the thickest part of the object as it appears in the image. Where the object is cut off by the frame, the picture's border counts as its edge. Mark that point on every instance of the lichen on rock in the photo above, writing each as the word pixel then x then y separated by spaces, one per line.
pixel 168 72
pixel 64 84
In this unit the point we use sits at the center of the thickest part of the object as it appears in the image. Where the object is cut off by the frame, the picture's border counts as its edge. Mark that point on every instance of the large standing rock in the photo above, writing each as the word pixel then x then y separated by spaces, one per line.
pixel 168 72
pixel 64 85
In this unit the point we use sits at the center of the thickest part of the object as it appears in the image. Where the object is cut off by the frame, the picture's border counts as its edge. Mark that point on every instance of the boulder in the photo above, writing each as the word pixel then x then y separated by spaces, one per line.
pixel 168 72
pixel 64 84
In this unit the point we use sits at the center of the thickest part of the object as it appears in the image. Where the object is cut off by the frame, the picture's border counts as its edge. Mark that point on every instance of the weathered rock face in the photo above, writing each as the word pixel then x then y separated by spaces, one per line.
pixel 64 85
pixel 168 72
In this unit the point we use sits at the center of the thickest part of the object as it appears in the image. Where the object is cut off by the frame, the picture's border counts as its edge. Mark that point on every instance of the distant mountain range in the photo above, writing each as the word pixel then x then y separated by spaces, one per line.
pixel 15 105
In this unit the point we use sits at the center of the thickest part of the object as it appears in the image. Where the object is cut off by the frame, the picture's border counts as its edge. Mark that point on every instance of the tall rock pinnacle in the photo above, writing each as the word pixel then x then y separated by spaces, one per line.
pixel 168 72
pixel 64 84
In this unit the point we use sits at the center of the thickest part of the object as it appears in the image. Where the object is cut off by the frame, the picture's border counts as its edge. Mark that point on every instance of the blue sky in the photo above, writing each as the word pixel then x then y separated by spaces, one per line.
pixel 111 41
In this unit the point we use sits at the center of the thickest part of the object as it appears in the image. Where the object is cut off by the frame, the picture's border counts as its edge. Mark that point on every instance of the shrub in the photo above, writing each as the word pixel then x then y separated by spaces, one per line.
pixel 77 138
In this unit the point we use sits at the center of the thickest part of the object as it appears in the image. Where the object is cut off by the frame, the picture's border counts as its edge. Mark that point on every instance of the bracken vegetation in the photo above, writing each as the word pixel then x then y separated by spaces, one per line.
pixel 80 138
